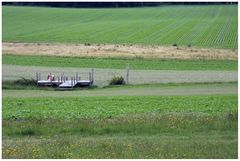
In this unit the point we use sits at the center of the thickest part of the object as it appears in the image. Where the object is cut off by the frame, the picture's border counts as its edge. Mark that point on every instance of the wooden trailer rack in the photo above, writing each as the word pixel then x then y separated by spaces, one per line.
pixel 64 82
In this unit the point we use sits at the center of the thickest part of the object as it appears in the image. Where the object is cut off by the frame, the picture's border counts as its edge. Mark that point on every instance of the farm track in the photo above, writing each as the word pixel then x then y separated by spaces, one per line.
pixel 102 76
pixel 130 51
pixel 214 89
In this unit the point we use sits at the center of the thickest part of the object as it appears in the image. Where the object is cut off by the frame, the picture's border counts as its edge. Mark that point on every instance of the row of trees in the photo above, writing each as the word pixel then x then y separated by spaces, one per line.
pixel 108 4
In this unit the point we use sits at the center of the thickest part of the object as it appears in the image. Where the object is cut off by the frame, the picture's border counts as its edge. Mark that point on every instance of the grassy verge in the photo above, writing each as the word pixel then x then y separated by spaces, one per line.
pixel 141 136
pixel 119 63
pixel 20 84
pixel 168 146
pixel 194 84
pixel 144 124
pixel 121 127
pixel 30 84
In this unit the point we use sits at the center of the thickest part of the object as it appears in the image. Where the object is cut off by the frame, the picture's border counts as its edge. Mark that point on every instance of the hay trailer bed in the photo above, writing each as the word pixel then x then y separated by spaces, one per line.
pixel 64 82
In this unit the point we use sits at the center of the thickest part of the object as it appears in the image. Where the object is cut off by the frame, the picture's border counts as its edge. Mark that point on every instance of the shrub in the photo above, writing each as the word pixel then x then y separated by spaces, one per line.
pixel 174 44
pixel 28 132
pixel 117 80
pixel 25 82
pixel 87 44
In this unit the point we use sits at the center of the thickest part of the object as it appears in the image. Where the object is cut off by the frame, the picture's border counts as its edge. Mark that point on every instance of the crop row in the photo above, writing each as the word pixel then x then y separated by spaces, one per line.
pixel 204 26
pixel 102 107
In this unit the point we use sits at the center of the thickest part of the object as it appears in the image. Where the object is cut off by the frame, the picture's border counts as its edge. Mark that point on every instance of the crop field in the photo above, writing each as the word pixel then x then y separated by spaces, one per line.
pixel 109 107
pixel 181 101
pixel 121 127
pixel 201 26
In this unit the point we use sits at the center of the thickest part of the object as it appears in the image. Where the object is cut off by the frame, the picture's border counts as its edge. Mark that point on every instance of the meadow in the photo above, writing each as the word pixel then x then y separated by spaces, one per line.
pixel 200 26
pixel 121 127
pixel 119 63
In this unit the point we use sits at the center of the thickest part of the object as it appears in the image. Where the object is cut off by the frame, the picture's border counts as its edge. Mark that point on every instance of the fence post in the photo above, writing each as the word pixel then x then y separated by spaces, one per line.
pixel 37 76
pixel 77 76
pixel 92 75
pixel 127 74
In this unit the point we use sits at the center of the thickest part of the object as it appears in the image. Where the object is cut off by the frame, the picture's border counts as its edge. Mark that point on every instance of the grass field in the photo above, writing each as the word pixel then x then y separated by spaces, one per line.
pixel 121 127
pixel 14 90
pixel 119 63
pixel 203 26
pixel 181 102
pixel 103 76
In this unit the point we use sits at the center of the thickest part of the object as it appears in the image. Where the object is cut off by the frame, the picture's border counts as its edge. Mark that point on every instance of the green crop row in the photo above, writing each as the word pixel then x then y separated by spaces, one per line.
pixel 102 107
pixel 203 26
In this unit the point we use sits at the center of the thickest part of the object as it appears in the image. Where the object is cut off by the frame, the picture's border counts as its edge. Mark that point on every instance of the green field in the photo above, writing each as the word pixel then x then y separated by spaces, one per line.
pixel 202 26
pixel 15 90
pixel 73 108
pixel 121 127
pixel 171 109
pixel 119 63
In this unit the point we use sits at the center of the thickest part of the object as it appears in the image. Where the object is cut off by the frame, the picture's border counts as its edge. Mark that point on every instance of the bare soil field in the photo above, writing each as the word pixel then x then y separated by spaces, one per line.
pixel 108 50
pixel 102 76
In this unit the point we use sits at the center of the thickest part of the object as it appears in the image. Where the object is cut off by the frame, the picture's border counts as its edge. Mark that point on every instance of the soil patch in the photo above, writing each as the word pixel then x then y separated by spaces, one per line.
pixel 108 50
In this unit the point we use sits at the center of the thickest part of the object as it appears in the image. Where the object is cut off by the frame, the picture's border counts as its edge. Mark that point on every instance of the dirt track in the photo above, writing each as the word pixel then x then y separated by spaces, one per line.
pixel 132 51
pixel 102 76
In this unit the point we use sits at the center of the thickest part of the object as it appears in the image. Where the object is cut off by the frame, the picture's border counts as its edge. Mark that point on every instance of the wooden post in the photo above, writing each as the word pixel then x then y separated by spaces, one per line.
pixel 92 75
pixel 37 76
pixel 127 74
pixel 77 76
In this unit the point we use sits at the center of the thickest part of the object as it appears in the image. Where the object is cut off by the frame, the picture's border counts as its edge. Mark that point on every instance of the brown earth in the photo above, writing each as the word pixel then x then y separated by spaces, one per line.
pixel 132 51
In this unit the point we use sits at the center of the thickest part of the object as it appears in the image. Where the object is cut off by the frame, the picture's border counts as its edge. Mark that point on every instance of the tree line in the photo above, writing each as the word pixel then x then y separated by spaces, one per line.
pixel 108 4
